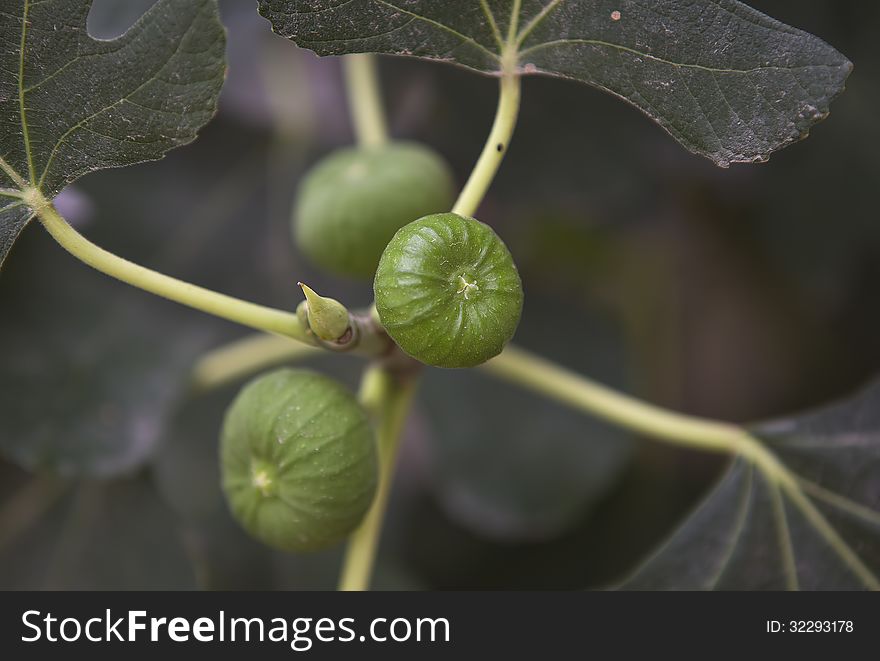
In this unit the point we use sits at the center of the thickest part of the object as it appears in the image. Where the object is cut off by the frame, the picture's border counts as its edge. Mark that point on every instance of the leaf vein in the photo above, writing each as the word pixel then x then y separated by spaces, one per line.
pixel 741 518
pixel 685 65
pixel 536 21
pixel 841 502
pixel 706 118
pixel 833 538
pixel 12 205
pixel 10 172
pixel 25 133
pixel 442 26
pixel 493 24
pixel 84 121
pixel 786 547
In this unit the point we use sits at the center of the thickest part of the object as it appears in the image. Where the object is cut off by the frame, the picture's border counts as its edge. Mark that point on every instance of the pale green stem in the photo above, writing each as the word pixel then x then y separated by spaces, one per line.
pixel 389 400
pixel 365 100
pixel 496 146
pixel 367 338
pixel 521 367
pixel 220 305
pixel 377 392
pixel 515 365
pixel 542 376
pixel 237 360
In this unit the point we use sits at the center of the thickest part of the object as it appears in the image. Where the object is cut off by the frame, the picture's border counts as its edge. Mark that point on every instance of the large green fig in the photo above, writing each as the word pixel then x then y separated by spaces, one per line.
pixel 447 291
pixel 352 202
pixel 299 460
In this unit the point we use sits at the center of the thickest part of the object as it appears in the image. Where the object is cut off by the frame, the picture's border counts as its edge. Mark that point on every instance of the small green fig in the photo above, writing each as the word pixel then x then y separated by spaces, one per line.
pixel 447 291
pixel 298 458
pixel 352 202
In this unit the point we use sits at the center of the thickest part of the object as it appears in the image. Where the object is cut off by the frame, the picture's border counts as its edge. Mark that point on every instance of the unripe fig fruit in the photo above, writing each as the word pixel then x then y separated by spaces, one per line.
pixel 352 202
pixel 298 458
pixel 447 291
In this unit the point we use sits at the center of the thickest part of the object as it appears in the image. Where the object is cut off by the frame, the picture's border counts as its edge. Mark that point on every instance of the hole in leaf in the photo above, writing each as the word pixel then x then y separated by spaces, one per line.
pixel 109 19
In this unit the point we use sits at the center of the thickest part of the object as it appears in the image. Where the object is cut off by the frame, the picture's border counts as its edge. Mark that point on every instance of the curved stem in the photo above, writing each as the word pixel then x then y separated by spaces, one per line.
pixel 365 100
pixel 366 339
pixel 220 305
pixel 518 366
pixel 538 374
pixel 542 376
pixel 388 399
pixel 496 146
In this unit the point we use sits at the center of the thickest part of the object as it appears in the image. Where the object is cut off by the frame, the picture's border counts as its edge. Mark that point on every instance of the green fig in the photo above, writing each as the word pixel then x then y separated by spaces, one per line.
pixel 352 202
pixel 447 291
pixel 298 458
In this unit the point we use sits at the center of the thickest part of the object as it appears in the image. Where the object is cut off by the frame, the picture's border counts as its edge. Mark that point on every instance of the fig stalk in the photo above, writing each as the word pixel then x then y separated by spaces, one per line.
pixel 387 398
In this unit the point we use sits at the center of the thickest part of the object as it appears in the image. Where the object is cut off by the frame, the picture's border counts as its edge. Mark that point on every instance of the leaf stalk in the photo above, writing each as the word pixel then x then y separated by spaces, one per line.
pixel 496 145
pixel 370 340
pixel 365 99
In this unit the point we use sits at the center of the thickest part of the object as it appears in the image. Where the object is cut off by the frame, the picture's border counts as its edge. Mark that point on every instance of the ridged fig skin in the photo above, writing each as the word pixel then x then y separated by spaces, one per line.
pixel 354 200
pixel 448 292
pixel 298 458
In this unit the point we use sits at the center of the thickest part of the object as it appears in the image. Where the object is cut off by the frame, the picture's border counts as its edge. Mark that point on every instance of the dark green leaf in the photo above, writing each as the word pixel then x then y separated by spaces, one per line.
pixel 90 371
pixel 87 380
pixel 13 217
pixel 726 81
pixel 757 531
pixel 103 536
pixel 513 466
pixel 72 104
pixel 109 19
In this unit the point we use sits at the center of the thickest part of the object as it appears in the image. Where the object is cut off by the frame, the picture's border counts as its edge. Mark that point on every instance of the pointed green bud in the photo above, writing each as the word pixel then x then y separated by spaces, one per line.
pixel 327 317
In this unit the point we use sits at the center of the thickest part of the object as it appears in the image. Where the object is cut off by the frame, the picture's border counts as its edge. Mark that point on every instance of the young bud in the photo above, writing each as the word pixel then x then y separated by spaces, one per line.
pixel 327 317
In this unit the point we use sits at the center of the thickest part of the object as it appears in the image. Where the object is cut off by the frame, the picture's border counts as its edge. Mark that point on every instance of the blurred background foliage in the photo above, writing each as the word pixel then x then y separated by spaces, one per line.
pixel 737 294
